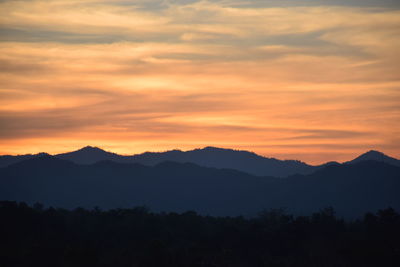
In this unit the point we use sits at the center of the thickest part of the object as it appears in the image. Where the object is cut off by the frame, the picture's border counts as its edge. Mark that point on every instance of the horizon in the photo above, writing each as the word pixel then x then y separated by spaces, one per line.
pixel 309 80
pixel 198 148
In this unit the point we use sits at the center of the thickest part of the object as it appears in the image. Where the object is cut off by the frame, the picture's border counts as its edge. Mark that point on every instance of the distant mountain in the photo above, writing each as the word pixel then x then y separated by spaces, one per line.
pixel 231 159
pixel 377 156
pixel 351 189
pixel 8 159
pixel 90 155
pixel 208 157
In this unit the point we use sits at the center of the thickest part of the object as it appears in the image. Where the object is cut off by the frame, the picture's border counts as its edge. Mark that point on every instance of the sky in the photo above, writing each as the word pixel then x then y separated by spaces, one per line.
pixel 308 80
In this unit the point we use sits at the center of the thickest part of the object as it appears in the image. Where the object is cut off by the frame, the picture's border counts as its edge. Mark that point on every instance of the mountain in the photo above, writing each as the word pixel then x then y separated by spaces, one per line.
pixel 352 189
pixel 90 155
pixel 208 157
pixel 8 159
pixel 231 159
pixel 376 156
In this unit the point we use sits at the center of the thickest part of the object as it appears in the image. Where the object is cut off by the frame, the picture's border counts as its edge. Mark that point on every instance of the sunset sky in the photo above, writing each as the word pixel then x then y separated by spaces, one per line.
pixel 308 80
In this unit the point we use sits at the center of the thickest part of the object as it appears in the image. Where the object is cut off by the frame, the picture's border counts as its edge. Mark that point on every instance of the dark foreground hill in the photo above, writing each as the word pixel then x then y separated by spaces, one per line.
pixel 352 189
pixel 137 237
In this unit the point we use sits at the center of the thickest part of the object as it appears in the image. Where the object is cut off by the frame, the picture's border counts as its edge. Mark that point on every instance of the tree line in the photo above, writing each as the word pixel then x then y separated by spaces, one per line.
pixel 38 236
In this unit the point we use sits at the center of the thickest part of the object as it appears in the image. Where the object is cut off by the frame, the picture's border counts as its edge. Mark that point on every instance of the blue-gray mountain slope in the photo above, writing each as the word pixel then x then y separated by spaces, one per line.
pixel 351 189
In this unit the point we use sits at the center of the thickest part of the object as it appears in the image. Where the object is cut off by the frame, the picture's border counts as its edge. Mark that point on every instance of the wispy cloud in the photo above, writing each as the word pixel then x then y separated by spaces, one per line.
pixel 140 75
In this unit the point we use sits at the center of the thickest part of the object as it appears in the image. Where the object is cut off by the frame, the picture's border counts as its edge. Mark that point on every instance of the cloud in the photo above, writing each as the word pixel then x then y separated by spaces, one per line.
pixel 143 75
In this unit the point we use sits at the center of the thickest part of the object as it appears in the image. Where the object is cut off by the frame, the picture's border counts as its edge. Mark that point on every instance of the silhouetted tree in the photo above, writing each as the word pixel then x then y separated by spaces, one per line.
pixel 137 237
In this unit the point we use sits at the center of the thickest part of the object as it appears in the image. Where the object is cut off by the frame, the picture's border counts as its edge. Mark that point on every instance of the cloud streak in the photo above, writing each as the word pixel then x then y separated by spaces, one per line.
pixel 154 75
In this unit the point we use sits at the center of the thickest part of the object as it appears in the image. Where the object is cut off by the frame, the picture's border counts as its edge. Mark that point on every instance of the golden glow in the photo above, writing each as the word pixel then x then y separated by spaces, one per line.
pixel 311 83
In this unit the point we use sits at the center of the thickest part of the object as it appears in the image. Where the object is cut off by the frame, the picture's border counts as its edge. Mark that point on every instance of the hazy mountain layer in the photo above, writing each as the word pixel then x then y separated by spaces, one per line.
pixel 351 189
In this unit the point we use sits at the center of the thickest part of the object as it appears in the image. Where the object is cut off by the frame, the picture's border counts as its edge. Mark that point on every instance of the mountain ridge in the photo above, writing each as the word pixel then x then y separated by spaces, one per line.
pixel 351 189
pixel 208 156
pixel 376 156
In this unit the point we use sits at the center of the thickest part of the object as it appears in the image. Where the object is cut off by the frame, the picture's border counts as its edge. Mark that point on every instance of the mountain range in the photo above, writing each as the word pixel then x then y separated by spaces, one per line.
pixel 244 161
pixel 92 177
pixel 351 189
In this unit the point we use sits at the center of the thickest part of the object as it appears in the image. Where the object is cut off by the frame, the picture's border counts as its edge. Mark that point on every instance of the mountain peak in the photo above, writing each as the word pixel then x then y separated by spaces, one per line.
pixel 213 148
pixel 219 149
pixel 373 155
pixel 376 156
pixel 87 155
pixel 374 152
pixel 42 154
pixel 91 148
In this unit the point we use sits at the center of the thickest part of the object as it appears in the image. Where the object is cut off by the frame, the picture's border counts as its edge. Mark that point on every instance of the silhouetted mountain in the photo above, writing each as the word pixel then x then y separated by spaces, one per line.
pixel 208 157
pixel 231 159
pixel 351 189
pixel 377 156
pixel 8 159
pixel 90 155
pixel 364 186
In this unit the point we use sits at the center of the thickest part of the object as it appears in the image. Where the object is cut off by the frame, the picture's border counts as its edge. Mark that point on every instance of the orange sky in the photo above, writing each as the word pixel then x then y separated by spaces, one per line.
pixel 312 81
